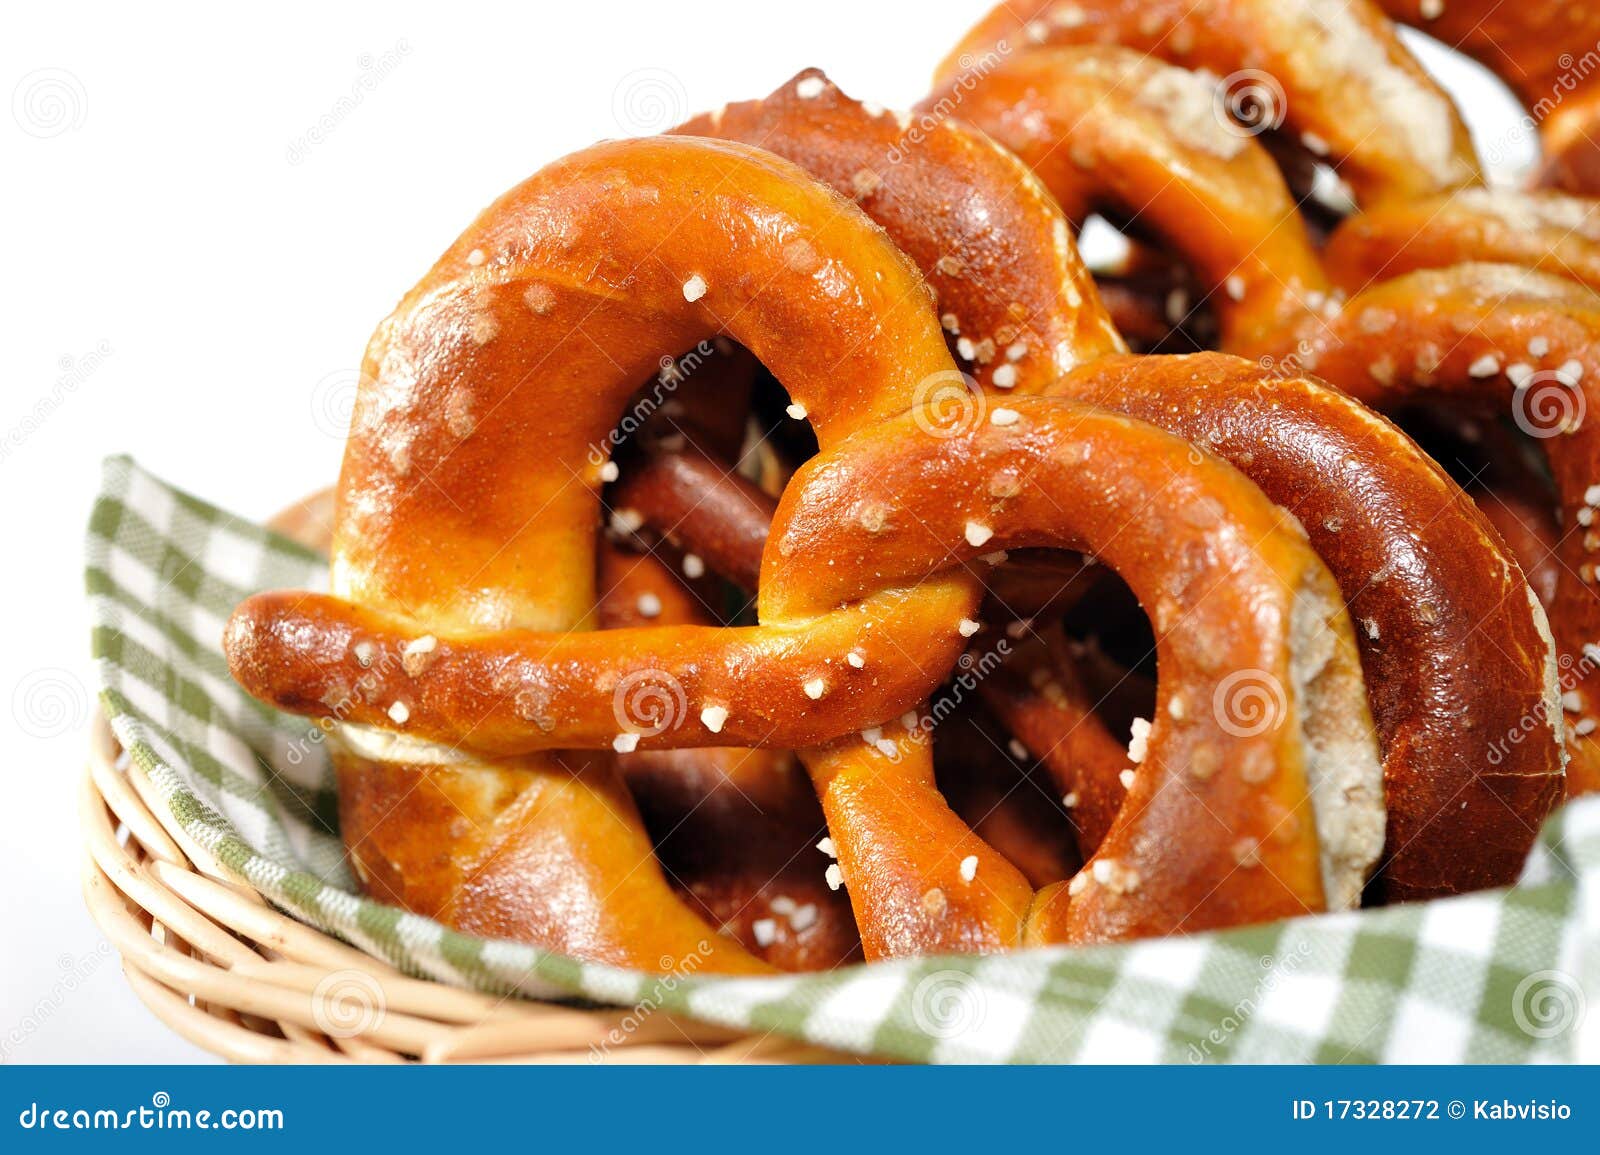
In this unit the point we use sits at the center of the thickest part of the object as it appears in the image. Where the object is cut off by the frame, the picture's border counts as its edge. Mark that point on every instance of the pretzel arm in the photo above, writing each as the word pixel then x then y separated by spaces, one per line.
pixel 514 692
pixel 1232 589
pixel 1048 710
pixel 715 513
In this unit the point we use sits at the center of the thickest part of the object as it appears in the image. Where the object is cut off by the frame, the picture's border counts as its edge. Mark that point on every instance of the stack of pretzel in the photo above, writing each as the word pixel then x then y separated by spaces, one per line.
pixel 759 546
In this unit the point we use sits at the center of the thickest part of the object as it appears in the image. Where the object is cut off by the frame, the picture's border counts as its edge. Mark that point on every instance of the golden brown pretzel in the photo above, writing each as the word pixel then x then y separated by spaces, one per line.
pixel 1085 118
pixel 1015 101
pixel 1231 587
pixel 1348 86
pixel 629 254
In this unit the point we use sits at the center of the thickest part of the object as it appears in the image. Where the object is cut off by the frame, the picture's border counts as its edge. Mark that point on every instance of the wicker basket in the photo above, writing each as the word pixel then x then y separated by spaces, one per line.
pixel 231 974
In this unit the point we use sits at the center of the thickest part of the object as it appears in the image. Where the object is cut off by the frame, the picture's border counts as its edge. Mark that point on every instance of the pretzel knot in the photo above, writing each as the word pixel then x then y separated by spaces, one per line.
pixel 1337 629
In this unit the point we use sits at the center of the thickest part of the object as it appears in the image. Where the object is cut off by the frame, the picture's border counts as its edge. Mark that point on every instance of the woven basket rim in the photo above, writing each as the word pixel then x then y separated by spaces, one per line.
pixel 224 969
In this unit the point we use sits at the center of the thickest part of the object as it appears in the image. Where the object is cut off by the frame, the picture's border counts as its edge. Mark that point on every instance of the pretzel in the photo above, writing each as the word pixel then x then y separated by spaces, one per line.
pixel 1025 102
pixel 1348 86
pixel 1232 587
pixel 443 391
pixel 1458 602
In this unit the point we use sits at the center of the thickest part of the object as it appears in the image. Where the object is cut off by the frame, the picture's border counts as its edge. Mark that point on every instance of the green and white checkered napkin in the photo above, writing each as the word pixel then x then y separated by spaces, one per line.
pixel 1498 976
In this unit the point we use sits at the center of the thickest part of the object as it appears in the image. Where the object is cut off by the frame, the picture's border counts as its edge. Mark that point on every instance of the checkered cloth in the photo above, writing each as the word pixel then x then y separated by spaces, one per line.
pixel 1493 977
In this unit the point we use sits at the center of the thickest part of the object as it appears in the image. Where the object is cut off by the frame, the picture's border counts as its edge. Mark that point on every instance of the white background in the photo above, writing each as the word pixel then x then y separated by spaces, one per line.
pixel 163 201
